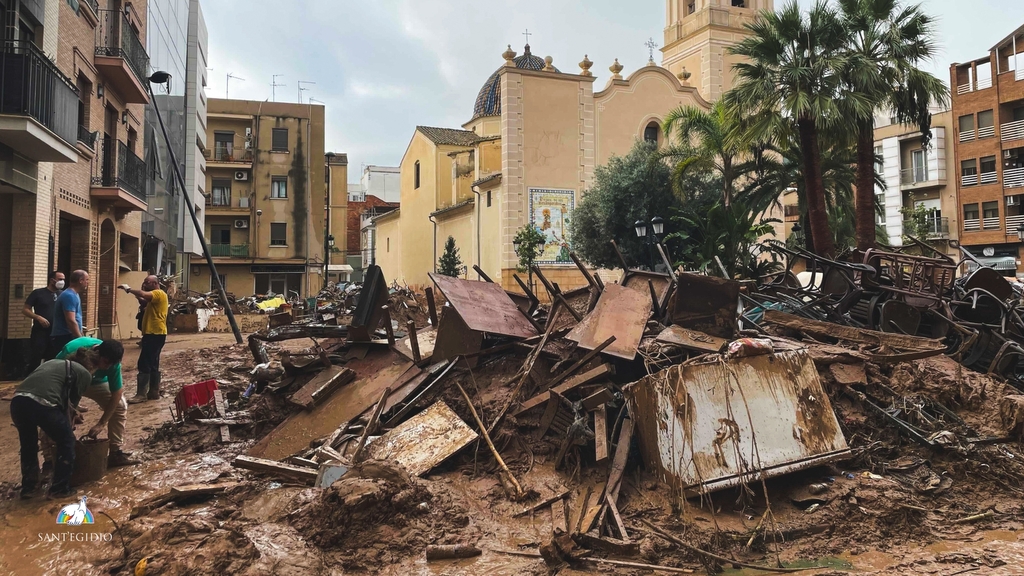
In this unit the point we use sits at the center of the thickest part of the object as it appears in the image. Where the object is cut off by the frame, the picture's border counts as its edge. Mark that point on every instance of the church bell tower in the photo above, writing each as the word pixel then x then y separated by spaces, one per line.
pixel 698 34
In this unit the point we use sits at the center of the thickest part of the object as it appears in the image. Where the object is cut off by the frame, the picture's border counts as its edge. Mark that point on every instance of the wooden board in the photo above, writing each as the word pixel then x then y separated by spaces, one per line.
pixel 381 369
pixel 426 337
pixel 423 441
pixel 705 303
pixel 574 382
pixel 601 435
pixel 455 338
pixel 484 306
pixel 620 312
pixel 329 380
pixel 274 468
pixel 899 342
pixel 691 339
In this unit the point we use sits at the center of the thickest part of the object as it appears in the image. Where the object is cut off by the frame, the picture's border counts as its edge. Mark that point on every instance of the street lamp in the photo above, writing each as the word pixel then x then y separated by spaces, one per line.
pixel 656 227
pixel 161 77
pixel 1020 232
pixel 330 240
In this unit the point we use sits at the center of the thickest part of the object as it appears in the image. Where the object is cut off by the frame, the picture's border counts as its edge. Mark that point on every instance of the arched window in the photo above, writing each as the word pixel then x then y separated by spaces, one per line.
pixel 651 133
pixel 416 174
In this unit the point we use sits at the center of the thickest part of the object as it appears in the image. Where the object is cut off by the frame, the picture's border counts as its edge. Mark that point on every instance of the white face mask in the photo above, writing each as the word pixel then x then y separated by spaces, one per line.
pixel 59 284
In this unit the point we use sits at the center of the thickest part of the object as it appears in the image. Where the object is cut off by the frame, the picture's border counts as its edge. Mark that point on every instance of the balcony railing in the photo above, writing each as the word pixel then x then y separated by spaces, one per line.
pixel 914 175
pixel 964 88
pixel 94 5
pixel 986 131
pixel 1014 222
pixel 983 83
pixel 967 135
pixel 988 177
pixel 972 224
pixel 32 85
pixel 1012 130
pixel 119 167
pixel 931 227
pixel 230 154
pixel 229 250
pixel 990 223
pixel 968 179
pixel 1018 74
pixel 1013 178
pixel 116 37
pixel 86 137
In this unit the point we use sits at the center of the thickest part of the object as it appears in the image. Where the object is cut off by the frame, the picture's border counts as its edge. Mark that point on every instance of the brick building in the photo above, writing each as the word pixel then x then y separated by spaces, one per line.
pixel 988 111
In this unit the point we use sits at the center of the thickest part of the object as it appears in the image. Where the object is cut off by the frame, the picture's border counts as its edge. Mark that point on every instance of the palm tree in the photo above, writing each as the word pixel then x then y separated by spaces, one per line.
pixel 706 141
pixel 793 70
pixel 887 43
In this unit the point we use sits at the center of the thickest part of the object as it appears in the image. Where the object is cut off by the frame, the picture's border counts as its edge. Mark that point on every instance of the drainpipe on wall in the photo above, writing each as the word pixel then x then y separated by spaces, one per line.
pixel 476 190
pixel 252 192
pixel 309 194
pixel 431 218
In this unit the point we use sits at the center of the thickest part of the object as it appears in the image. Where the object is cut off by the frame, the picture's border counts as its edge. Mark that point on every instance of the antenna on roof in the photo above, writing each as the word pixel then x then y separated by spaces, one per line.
pixel 273 87
pixel 227 83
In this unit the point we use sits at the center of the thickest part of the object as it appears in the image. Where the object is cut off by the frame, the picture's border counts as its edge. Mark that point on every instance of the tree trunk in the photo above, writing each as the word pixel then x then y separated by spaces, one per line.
pixel 865 199
pixel 824 245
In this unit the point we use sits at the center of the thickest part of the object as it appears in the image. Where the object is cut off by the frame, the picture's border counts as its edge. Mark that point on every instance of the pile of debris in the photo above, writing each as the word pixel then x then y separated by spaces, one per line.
pixel 710 384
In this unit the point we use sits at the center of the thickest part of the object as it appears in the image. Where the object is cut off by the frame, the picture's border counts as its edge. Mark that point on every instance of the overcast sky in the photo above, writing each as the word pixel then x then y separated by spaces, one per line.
pixel 384 66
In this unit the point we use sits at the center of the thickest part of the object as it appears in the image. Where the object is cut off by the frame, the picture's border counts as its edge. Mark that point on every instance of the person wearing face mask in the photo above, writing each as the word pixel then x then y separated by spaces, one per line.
pixel 39 307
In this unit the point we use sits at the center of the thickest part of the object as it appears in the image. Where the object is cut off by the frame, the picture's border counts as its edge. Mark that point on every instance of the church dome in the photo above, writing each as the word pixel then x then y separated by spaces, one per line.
pixel 488 101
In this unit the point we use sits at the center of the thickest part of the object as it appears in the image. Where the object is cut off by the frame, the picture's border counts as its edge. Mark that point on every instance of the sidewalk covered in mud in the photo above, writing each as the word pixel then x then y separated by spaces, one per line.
pixel 664 423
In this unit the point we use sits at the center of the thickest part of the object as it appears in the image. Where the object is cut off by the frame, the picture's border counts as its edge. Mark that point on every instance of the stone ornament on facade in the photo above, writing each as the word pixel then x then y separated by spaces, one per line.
pixel 684 76
pixel 509 55
pixel 616 70
pixel 585 66
pixel 548 60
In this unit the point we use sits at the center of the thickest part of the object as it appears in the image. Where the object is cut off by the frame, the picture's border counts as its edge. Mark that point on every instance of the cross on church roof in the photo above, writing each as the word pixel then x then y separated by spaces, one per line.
pixel 651 45
pixel 527 34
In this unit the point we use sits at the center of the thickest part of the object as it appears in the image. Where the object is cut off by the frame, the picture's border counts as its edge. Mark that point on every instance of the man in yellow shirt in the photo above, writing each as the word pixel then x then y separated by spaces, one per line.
pixel 154 334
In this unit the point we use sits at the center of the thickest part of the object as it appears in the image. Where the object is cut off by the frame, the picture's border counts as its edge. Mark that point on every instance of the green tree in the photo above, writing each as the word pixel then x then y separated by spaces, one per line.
pixel 629 188
pixel 708 141
pixel 529 243
pixel 449 263
pixel 887 43
pixel 917 220
pixel 793 74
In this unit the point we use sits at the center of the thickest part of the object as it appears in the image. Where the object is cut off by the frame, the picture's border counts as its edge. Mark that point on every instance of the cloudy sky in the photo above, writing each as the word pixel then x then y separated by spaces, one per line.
pixel 384 66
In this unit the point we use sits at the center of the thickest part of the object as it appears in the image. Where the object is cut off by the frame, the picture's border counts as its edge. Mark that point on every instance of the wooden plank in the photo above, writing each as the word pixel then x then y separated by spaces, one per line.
pixel 542 504
pixel 559 516
pixel 414 344
pixel 320 387
pixel 431 306
pixel 601 435
pixel 851 334
pixel 222 409
pixel 587 377
pixel 187 490
pixel 382 368
pixel 549 415
pixel 598 398
pixel 594 506
pixel 485 307
pixel 582 513
pixel 388 328
pixel 620 312
pixel 371 426
pixel 613 509
pixel 582 361
pixel 691 339
pixel 620 458
pixel 302 462
pixel 610 545
pixel 274 468
pixel 423 441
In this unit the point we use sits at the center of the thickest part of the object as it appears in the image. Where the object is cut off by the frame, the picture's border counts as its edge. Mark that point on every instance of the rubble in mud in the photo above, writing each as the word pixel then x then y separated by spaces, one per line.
pixel 644 425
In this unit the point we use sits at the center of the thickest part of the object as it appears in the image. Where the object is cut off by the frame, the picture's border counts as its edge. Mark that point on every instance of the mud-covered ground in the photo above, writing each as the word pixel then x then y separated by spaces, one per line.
pixel 895 507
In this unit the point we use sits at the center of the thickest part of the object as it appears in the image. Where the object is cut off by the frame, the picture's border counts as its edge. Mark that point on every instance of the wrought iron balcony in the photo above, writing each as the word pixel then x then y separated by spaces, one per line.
pixel 122 57
pixel 116 168
pixel 86 137
pixel 229 250
pixel 38 105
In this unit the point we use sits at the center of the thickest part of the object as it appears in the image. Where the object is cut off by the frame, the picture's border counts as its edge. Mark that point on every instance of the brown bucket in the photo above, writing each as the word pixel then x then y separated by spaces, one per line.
pixel 90 460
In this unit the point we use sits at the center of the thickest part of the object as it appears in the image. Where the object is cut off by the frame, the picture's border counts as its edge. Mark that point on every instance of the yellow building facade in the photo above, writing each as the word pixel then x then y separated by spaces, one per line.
pixel 528 152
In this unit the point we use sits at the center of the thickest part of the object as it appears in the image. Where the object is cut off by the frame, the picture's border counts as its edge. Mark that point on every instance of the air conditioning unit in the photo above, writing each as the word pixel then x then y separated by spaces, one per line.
pixel 1006 153
pixel 243 202
pixel 241 224
pixel 1012 200
pixel 248 132
pixel 241 176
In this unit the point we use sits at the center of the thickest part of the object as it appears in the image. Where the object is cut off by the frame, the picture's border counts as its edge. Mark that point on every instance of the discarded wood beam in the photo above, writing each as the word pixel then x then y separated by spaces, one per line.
pixel 188 490
pixel 524 374
pixel 425 440
pixel 899 342
pixel 483 275
pixel 444 366
pixel 222 410
pixel 274 467
pixel 655 308
pixel 559 517
pixel 321 386
pixel 579 363
pixel 975 517
pixel 534 302
pixel 599 398
pixel 665 260
pixel 549 415
pixel 371 424
pixel 622 259
pixel 223 422
pixel 584 506
pixel 325 453
pixel 541 504
pixel 414 343
pixel 616 517
pixel 594 508
pixel 610 545
pixel 452 551
pixel 583 270
pixel 586 378
pixel 601 435
pixel 431 307
pixel 619 461
pixel 302 462
pixel 556 294
pixel 387 326
pixel 294 331
pixel 487 438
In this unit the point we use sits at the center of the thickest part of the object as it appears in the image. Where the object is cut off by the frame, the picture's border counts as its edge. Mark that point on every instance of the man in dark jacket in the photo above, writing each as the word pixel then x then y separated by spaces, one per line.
pixel 46 399
pixel 39 307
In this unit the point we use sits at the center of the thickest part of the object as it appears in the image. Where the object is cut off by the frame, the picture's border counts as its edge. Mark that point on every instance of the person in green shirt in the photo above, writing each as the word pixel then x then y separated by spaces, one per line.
pixel 46 399
pixel 107 390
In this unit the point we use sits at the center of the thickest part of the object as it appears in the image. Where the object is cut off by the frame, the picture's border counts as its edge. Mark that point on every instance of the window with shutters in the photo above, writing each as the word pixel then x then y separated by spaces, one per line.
pixel 279 140
pixel 278 234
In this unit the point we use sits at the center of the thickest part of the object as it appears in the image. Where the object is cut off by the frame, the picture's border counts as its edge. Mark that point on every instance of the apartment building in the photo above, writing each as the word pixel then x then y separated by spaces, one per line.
pixel 379 190
pixel 265 193
pixel 988 107
pixel 915 174
pixel 72 177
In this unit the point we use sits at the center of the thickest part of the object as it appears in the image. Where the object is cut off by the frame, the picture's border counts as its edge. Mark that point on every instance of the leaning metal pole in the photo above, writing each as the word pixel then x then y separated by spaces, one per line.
pixel 195 221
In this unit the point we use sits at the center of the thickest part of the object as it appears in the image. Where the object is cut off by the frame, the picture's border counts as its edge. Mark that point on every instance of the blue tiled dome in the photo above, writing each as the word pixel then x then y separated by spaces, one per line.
pixel 488 101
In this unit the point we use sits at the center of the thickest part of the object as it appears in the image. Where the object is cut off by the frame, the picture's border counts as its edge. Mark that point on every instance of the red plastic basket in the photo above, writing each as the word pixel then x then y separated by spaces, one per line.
pixel 198 394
